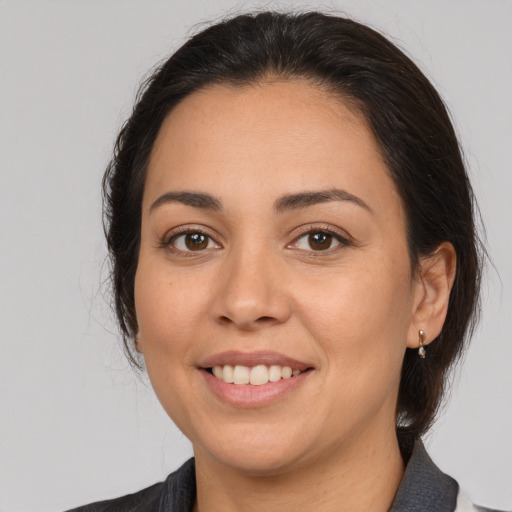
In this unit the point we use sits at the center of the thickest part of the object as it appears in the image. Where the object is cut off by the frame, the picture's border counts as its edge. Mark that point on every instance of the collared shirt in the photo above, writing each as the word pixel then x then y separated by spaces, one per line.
pixel 424 488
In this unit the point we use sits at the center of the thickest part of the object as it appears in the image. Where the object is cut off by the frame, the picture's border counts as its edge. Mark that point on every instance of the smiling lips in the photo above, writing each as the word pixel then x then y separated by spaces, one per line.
pixel 253 369
pixel 256 376
pixel 256 379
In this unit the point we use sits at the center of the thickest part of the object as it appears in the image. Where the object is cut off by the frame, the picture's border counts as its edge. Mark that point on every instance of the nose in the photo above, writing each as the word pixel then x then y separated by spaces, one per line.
pixel 252 294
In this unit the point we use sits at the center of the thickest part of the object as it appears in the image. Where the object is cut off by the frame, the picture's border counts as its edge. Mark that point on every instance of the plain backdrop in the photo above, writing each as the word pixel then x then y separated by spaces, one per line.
pixel 76 425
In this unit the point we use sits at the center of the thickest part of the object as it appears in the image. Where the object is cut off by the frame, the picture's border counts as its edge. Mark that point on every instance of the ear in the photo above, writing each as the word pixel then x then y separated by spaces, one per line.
pixel 137 343
pixel 431 294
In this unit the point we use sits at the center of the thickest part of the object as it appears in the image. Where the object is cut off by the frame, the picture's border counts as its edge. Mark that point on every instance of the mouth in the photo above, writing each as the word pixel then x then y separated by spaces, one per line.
pixel 253 379
pixel 257 375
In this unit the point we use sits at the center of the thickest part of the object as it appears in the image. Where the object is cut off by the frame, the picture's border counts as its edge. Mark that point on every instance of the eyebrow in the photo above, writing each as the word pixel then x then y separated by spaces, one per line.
pixel 287 202
pixel 305 199
pixel 195 199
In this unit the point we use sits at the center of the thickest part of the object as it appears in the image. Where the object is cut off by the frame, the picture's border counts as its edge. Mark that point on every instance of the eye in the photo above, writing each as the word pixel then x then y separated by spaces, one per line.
pixel 318 241
pixel 192 241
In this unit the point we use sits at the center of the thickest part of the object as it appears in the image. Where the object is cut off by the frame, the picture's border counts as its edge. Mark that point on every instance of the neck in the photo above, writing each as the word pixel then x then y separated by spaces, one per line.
pixel 363 477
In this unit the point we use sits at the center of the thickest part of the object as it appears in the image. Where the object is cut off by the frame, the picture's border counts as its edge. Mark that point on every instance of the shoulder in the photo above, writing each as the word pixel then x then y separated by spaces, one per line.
pixel 425 487
pixel 465 505
pixel 144 500
pixel 176 494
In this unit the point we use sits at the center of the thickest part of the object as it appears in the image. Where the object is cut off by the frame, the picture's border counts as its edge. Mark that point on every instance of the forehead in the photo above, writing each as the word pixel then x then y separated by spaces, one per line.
pixel 283 115
pixel 268 137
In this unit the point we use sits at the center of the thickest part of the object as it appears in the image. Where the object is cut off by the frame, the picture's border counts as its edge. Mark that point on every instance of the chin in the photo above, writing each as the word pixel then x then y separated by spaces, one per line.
pixel 258 462
pixel 254 451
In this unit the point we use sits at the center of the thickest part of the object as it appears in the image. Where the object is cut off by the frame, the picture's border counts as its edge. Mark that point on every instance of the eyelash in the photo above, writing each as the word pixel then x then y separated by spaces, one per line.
pixel 169 241
pixel 308 231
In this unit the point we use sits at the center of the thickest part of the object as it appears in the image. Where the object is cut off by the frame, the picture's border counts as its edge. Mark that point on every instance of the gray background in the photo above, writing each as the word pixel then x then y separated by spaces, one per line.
pixel 76 425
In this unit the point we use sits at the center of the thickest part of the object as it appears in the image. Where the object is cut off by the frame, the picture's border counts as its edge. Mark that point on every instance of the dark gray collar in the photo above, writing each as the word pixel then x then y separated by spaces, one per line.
pixel 181 490
pixel 424 487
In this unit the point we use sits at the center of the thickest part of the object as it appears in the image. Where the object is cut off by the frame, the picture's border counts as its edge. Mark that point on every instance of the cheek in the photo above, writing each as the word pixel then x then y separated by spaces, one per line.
pixel 163 323
pixel 360 320
pixel 168 320
pixel 359 327
pixel 168 305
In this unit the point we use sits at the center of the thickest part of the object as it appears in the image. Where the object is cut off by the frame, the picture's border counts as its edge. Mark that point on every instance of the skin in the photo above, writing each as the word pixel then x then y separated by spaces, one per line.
pixel 349 310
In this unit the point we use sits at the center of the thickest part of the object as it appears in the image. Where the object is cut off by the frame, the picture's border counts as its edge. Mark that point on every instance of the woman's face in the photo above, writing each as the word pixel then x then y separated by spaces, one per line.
pixel 273 236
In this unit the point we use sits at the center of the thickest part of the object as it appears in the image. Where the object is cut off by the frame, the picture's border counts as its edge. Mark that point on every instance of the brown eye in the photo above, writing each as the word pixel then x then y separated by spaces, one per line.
pixel 192 242
pixel 320 241
pixel 196 241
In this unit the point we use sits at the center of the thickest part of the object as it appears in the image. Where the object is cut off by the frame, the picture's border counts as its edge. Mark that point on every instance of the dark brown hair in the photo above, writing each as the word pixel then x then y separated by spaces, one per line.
pixel 408 120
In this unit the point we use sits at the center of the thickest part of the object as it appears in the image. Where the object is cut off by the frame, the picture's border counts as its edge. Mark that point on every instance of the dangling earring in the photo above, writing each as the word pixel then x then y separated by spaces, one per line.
pixel 421 350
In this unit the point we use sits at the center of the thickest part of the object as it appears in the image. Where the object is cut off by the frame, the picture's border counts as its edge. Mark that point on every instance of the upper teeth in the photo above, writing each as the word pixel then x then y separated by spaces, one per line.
pixel 257 375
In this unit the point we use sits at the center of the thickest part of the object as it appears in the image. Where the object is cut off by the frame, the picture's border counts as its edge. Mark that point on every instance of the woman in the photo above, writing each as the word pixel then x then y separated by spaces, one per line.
pixel 294 259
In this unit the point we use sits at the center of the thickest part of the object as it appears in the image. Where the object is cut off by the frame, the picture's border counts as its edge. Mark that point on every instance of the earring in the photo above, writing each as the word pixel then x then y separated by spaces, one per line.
pixel 421 350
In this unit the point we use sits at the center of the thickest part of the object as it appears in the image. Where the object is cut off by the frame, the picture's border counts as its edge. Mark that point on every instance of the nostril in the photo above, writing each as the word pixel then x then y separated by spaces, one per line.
pixel 262 320
pixel 265 319
pixel 224 319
